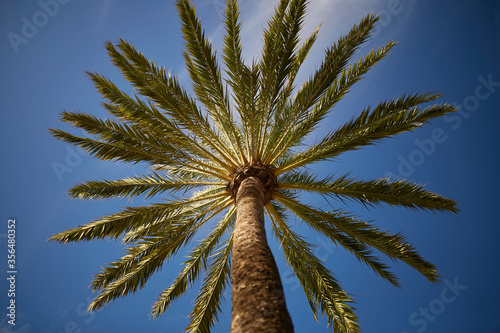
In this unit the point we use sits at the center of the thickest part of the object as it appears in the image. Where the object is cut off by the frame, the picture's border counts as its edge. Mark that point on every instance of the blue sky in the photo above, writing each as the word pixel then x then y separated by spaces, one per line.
pixel 447 46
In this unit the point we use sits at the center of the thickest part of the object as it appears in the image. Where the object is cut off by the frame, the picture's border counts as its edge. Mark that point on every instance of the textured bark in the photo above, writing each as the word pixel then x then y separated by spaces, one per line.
pixel 258 301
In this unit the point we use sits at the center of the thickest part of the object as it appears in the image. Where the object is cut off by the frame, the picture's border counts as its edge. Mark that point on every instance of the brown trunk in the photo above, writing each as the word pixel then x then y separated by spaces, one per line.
pixel 258 301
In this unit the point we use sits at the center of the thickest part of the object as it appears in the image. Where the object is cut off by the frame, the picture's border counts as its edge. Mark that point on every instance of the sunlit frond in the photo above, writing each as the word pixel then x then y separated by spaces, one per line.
pixel 336 59
pixel 371 126
pixel 242 80
pixel 338 222
pixel 197 260
pixel 361 251
pixel 205 75
pixel 165 90
pixel 147 255
pixel 374 192
pixel 294 134
pixel 208 302
pixel 279 54
pixel 115 225
pixel 322 289
pixel 150 185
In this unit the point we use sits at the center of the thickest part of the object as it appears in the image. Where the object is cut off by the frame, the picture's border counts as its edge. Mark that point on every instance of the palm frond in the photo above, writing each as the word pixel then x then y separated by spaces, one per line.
pixel 188 172
pixel 335 61
pixel 360 250
pixel 337 90
pixel 250 112
pixel 300 57
pixel 113 132
pixel 112 151
pixel 387 119
pixel 146 118
pixel 276 139
pixel 281 39
pixel 143 231
pixel 129 152
pixel 114 225
pixel 131 218
pixel 233 58
pixel 165 90
pixel 321 288
pixel 197 260
pixel 134 269
pixel 138 113
pixel 206 78
pixel 150 185
pixel 396 193
pixel 394 246
pixel 242 80
pixel 147 256
pixel 208 302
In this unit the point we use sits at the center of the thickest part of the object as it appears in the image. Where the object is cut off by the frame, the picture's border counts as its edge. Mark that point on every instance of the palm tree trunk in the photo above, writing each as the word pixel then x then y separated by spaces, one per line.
pixel 258 301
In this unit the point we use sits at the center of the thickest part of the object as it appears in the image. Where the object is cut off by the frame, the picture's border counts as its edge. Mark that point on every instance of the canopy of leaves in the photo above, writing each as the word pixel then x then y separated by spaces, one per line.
pixel 243 114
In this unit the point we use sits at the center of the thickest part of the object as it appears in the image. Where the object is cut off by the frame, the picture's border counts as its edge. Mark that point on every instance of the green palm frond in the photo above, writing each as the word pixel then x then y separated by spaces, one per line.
pixel 336 59
pixel 204 72
pixel 208 301
pixel 113 226
pixel 144 231
pixel 242 80
pixel 314 277
pixel 122 134
pixel 360 250
pixel 144 117
pixel 150 185
pixel 197 260
pixel 134 269
pixel 196 173
pixel 305 124
pixel 146 256
pixel 278 62
pixel 300 57
pixel 233 50
pixel 132 218
pixel 280 41
pixel 131 150
pixel 154 83
pixel 337 222
pixel 387 119
pixel 396 193
pixel 113 151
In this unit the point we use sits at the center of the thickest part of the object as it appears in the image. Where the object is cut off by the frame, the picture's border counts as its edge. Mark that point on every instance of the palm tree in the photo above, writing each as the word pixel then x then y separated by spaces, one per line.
pixel 237 151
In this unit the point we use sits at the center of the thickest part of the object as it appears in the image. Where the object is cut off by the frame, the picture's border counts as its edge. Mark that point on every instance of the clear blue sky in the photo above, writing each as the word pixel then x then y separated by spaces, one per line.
pixel 448 46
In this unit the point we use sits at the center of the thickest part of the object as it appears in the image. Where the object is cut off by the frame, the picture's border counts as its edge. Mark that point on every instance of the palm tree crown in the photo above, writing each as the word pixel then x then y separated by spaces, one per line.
pixel 247 120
